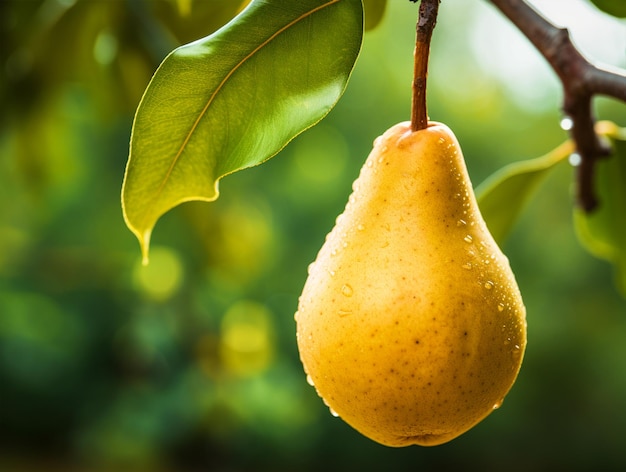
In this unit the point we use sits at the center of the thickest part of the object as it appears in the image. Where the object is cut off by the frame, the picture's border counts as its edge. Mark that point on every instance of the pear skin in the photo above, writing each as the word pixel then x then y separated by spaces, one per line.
pixel 411 325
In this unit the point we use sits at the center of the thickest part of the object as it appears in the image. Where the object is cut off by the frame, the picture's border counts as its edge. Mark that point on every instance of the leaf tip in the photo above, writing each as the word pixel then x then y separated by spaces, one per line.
pixel 143 236
pixel 144 243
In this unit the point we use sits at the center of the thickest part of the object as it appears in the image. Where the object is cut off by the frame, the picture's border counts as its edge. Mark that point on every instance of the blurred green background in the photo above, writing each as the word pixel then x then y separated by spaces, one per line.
pixel 190 364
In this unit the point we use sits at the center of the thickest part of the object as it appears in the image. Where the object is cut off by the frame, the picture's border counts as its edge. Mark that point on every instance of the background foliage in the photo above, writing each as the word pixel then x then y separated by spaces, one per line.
pixel 191 363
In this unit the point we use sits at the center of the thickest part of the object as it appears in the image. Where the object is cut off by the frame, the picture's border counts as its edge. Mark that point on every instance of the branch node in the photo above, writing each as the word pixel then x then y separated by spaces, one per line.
pixel 581 81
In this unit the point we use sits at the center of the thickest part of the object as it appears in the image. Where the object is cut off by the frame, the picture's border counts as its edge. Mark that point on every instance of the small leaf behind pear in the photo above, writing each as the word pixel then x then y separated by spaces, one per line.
pixel 504 194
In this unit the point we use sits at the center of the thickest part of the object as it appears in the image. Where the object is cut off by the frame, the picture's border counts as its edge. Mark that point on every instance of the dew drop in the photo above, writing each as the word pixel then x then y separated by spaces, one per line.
pixel 331 273
pixel 467 266
pixel 333 412
pixel 384 244
pixel 497 404
pixel 516 354
pixel 309 380
pixel 345 244
pixel 500 307
pixel 442 140
pixel 468 239
pixel 369 163
pixel 347 290
pixel 333 253
pixel 489 285
pixel 567 123
pixel 574 159
pixel 344 313
pixel 461 223
pixel 310 268
pixel 360 227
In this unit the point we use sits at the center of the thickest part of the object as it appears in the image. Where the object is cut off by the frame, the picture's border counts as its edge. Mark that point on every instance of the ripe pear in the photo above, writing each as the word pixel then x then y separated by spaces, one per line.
pixel 411 325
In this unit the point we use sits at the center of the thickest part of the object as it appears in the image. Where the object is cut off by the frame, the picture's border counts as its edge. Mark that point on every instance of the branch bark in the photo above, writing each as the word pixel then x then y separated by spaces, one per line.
pixel 581 80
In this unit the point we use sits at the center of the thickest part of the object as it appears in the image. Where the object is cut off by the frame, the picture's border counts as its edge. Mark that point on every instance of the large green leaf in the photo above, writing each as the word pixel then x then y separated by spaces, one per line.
pixel 234 99
pixel 503 195
pixel 612 7
pixel 603 231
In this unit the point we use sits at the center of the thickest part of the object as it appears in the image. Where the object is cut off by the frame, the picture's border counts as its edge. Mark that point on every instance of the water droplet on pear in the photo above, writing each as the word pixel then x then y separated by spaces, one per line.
pixel 347 290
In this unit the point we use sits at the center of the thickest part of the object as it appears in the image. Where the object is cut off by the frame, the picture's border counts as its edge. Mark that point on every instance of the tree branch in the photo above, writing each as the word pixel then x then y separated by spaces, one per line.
pixel 581 80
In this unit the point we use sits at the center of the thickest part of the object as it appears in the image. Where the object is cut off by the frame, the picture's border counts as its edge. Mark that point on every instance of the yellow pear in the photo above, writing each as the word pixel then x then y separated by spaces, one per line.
pixel 411 325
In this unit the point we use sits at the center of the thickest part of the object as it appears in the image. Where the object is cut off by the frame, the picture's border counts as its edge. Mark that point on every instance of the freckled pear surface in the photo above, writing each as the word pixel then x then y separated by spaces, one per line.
pixel 411 325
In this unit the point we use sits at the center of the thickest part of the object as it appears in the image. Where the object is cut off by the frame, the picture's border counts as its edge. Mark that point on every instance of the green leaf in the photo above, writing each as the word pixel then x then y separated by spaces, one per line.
pixel 374 12
pixel 504 194
pixel 603 231
pixel 612 7
pixel 234 99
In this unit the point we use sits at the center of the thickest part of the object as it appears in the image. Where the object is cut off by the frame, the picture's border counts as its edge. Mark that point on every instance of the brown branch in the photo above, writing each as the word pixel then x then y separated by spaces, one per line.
pixel 581 80
pixel 423 34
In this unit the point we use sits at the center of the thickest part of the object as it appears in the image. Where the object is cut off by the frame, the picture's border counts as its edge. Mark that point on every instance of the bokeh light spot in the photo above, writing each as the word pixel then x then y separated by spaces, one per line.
pixel 162 277
pixel 246 344
pixel 105 48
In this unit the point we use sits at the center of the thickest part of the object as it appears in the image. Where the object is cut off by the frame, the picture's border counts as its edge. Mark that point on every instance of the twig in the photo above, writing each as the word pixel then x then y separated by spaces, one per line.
pixel 581 80
pixel 423 34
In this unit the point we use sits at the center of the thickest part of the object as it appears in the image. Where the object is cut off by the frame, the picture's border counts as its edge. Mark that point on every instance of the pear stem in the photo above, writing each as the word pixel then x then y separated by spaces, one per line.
pixel 424 30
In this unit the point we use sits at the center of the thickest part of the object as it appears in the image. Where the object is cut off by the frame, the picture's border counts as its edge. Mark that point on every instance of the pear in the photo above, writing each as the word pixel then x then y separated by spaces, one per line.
pixel 411 325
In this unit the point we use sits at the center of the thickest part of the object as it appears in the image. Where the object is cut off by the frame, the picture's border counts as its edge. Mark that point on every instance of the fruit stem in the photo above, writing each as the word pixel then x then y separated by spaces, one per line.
pixel 424 30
